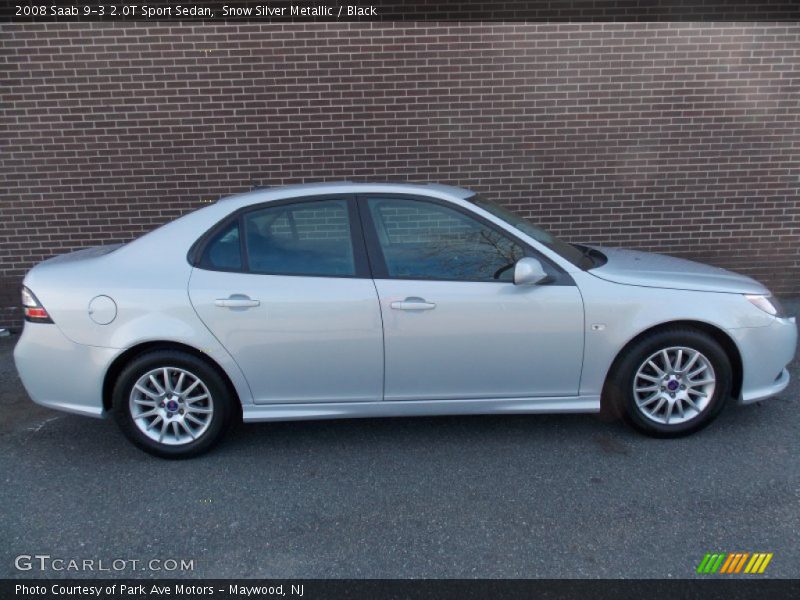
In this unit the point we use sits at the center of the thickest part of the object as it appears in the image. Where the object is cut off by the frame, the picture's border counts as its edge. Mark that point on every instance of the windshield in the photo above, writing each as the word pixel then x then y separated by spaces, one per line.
pixel 574 254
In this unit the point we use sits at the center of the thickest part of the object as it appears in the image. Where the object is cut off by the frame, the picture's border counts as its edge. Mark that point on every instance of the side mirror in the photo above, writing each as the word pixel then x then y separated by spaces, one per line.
pixel 529 271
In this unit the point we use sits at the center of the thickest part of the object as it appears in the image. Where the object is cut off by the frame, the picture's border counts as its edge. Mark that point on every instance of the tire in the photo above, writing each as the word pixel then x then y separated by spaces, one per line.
pixel 180 420
pixel 670 402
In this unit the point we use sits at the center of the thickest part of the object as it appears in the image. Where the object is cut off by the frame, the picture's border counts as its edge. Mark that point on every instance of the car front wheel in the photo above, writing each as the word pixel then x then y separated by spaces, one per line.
pixel 672 382
pixel 171 404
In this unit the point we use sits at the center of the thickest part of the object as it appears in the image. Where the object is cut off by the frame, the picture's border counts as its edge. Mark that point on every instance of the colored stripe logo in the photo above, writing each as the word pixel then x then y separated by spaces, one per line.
pixel 734 562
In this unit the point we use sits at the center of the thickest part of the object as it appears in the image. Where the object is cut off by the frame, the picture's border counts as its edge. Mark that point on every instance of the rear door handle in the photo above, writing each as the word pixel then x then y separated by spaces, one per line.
pixel 237 301
pixel 413 304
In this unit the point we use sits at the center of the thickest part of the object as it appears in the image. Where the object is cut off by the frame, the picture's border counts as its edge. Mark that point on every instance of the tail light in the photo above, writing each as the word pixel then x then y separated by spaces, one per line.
pixel 34 311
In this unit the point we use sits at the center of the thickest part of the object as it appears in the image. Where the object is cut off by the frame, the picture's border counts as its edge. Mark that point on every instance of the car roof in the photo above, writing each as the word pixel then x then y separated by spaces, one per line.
pixel 266 194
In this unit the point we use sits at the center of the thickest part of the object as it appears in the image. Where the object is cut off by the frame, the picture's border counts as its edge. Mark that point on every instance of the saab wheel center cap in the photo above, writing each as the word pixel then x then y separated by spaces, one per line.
pixel 672 385
pixel 172 406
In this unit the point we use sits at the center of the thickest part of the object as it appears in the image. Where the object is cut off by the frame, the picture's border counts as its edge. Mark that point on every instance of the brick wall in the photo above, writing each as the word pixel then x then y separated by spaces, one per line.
pixel 676 137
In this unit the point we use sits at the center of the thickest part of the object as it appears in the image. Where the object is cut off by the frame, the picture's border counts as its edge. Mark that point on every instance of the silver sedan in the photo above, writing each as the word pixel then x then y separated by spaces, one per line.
pixel 370 300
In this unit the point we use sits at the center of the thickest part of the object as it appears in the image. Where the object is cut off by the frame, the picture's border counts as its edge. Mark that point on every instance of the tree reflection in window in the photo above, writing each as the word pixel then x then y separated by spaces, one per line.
pixel 422 240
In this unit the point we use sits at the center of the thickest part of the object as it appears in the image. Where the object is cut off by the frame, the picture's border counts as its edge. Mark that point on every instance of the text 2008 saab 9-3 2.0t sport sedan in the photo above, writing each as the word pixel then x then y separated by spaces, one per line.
pixel 371 300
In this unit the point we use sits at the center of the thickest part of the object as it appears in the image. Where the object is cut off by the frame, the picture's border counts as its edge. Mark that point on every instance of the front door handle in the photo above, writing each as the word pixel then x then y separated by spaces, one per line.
pixel 413 304
pixel 237 301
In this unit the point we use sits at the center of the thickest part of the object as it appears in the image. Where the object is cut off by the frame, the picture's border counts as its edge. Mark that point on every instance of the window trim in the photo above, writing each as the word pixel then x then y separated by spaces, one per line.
pixel 360 259
pixel 378 263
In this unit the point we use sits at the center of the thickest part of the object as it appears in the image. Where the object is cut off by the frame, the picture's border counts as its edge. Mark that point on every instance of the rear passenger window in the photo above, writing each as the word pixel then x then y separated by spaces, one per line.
pixel 223 251
pixel 306 238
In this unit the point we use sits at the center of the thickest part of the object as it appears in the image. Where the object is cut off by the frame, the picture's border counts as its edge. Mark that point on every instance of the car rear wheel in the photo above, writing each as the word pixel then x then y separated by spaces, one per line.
pixel 672 382
pixel 171 404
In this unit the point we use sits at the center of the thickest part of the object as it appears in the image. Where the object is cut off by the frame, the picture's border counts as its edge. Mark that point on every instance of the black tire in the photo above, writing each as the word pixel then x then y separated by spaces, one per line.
pixel 220 402
pixel 619 389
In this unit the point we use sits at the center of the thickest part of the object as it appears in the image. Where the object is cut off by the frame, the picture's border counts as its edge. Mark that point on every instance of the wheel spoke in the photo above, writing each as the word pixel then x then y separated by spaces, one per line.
pixel 678 359
pixel 691 362
pixel 679 404
pixel 691 403
pixel 147 414
pixel 145 402
pixel 649 400
pixel 193 419
pixel 697 371
pixel 179 383
pixel 146 392
pixel 668 412
pixel 154 422
pixel 196 399
pixel 655 367
pixel 187 429
pixel 648 377
pixel 167 382
pixel 191 387
pixel 665 358
pixel 648 388
pixel 701 382
pixel 199 410
pixel 156 385
pixel 164 425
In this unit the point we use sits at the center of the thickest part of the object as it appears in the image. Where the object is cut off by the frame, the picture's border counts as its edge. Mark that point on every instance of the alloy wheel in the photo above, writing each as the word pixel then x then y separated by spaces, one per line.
pixel 674 385
pixel 171 406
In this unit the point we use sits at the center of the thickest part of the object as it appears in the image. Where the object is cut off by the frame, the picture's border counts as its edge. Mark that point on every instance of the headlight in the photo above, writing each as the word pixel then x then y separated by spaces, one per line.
pixel 768 304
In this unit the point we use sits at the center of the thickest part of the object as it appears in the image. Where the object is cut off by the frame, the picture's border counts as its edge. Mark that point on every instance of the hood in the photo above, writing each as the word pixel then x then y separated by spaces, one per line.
pixel 631 267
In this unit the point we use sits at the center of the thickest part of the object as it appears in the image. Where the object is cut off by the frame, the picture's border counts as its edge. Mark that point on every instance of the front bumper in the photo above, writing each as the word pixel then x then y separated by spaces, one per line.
pixel 60 374
pixel 766 352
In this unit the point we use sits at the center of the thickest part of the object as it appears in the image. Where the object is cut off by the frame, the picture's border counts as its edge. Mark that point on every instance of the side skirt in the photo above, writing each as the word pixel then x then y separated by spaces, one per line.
pixel 419 408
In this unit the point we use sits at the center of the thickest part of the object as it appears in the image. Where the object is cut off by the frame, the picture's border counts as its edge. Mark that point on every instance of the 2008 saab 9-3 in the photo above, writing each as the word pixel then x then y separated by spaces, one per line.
pixel 369 300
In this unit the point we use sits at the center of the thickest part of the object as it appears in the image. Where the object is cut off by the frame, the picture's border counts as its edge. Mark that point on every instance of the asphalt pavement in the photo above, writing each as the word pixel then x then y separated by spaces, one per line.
pixel 450 497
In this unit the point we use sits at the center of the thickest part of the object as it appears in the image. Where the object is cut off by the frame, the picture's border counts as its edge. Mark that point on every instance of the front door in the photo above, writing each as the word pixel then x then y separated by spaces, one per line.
pixel 455 325
pixel 285 287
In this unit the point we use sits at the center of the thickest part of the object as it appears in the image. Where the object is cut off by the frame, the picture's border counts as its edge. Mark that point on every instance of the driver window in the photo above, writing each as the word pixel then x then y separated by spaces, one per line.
pixel 423 240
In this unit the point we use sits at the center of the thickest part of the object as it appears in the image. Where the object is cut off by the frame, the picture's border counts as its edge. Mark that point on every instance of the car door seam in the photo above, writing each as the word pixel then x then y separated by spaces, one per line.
pixel 213 335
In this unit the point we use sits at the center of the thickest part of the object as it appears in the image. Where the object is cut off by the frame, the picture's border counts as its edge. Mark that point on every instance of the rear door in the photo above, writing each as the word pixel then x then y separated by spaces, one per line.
pixel 286 289
pixel 455 325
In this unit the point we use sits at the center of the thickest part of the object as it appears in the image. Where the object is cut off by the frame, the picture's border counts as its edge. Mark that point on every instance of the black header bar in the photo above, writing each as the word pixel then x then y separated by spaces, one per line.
pixel 282 11
pixel 714 588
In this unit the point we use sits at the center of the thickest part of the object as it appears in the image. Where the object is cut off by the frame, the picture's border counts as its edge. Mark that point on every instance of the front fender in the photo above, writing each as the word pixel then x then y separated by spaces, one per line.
pixel 618 313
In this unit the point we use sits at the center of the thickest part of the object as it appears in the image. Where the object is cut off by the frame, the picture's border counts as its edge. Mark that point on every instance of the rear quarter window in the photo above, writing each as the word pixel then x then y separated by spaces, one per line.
pixel 224 250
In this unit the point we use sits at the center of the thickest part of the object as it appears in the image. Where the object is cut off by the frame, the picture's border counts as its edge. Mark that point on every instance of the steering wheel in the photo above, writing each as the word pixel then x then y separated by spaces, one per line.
pixel 502 270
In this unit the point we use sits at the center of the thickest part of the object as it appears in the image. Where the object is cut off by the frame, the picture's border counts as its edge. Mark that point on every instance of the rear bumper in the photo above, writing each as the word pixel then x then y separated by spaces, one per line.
pixel 60 374
pixel 766 352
